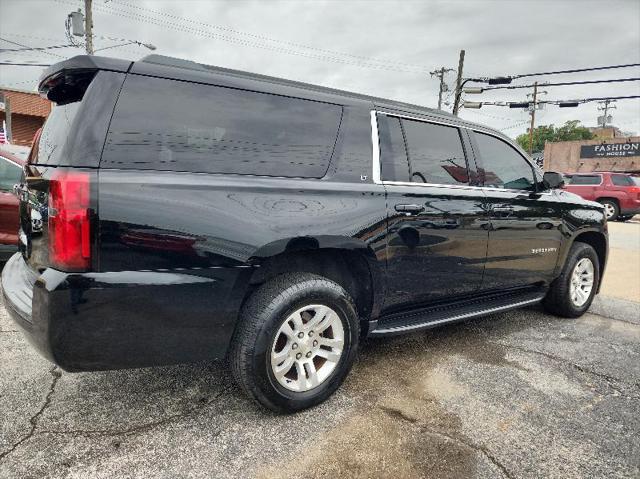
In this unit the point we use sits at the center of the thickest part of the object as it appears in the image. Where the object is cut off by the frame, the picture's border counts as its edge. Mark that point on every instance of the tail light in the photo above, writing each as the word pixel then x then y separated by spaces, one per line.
pixel 69 221
pixel 636 190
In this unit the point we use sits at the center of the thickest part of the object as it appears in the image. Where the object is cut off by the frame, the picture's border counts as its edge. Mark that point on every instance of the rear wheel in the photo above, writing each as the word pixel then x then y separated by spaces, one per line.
pixel 296 341
pixel 611 209
pixel 571 294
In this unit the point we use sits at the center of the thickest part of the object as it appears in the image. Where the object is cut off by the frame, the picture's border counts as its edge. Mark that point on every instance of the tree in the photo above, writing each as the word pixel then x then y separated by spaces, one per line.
pixel 570 131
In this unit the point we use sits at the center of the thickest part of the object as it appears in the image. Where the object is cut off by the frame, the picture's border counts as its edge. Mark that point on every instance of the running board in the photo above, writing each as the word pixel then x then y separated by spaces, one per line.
pixel 429 317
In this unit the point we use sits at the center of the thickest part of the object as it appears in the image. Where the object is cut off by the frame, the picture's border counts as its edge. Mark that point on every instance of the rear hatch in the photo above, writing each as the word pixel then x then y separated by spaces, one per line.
pixel 58 192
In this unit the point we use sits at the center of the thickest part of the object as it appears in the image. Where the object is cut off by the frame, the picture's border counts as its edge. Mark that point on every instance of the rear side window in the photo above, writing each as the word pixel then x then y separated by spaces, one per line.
pixel 54 134
pixel 503 166
pixel 75 130
pixel 585 180
pixel 166 124
pixel 622 180
pixel 10 174
pixel 435 153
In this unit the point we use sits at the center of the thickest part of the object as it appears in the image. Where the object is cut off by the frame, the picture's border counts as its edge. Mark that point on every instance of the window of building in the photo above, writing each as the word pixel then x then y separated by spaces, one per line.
pixel 585 180
pixel 394 165
pixel 435 153
pixel 503 166
pixel 175 125
pixel 621 180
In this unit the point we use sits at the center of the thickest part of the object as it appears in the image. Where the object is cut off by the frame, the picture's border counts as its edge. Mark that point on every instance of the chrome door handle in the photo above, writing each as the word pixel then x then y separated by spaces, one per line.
pixel 503 209
pixel 409 209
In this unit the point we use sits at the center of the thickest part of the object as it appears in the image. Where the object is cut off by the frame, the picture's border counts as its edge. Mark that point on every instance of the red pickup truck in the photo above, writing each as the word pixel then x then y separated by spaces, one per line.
pixel 618 192
pixel 10 173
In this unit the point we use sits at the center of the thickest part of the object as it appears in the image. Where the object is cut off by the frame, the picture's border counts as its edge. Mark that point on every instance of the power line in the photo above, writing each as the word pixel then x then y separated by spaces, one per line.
pixel 27 46
pixel 565 103
pixel 576 70
pixel 25 64
pixel 269 39
pixel 52 47
pixel 21 35
pixel 586 100
pixel 585 82
pixel 515 125
pixel 481 113
pixel 208 34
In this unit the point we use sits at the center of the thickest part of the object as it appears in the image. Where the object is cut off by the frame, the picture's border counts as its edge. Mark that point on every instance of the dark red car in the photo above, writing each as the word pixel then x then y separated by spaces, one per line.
pixel 10 172
pixel 618 192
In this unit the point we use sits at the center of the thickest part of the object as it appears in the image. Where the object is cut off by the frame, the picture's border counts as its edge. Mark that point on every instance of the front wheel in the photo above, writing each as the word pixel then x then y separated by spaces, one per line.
pixel 571 294
pixel 296 341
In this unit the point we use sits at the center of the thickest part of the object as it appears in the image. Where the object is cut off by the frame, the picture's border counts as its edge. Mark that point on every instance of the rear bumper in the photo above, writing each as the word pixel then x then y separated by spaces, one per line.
pixel 630 211
pixel 114 320
pixel 630 207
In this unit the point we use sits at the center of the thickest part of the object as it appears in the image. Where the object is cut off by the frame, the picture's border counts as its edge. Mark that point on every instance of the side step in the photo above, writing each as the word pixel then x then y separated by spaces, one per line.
pixel 428 317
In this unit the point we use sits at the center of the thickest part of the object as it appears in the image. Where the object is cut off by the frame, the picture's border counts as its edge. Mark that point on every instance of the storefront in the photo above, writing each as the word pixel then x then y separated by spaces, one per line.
pixel 615 154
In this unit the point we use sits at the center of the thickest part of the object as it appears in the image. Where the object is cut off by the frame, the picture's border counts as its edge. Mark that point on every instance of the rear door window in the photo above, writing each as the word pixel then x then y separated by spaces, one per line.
pixel 435 153
pixel 174 125
pixel 393 154
pixel 585 180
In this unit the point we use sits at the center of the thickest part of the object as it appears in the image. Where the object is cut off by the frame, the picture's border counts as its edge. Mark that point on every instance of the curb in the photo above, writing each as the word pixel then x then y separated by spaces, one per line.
pixel 615 308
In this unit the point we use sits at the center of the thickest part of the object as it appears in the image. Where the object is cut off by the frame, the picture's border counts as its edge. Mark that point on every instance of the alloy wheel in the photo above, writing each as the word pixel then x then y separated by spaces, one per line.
pixel 609 210
pixel 582 280
pixel 307 347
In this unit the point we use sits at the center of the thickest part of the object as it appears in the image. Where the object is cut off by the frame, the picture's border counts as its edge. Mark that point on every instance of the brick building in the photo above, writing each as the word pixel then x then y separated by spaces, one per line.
pixel 614 154
pixel 28 112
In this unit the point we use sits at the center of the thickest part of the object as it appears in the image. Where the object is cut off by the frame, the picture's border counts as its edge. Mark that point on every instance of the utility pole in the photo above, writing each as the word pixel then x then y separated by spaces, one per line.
pixel 456 101
pixel 605 109
pixel 88 27
pixel 533 116
pixel 443 86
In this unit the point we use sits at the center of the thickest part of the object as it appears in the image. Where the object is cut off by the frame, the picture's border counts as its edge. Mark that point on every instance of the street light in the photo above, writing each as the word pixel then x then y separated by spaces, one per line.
pixel 475 105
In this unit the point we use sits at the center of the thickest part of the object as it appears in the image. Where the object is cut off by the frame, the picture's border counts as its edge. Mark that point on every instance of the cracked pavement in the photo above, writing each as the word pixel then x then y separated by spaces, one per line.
pixel 515 395
pixel 521 394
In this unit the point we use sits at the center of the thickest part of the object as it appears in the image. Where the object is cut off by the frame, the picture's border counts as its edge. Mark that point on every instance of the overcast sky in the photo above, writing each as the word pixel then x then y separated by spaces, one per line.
pixel 383 48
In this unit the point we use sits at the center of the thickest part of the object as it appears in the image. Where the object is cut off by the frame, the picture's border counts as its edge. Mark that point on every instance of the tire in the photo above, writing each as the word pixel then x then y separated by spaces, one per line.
pixel 611 209
pixel 259 335
pixel 559 300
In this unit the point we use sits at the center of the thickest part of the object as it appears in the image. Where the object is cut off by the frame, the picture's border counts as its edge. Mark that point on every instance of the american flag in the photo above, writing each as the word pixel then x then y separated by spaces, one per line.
pixel 3 135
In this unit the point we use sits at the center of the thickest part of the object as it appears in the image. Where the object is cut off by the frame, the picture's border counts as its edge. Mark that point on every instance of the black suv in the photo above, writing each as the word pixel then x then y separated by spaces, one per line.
pixel 173 211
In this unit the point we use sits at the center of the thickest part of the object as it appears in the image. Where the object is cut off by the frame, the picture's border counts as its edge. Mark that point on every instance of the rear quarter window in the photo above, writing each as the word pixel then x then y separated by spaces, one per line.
pixel 164 124
pixel 54 134
pixel 622 180
pixel 74 133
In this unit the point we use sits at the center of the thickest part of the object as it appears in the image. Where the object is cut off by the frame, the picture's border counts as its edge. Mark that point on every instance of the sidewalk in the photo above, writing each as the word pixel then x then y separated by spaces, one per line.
pixel 622 275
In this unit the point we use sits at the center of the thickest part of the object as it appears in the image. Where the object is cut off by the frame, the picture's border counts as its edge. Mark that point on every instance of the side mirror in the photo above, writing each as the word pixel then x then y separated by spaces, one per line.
pixel 552 180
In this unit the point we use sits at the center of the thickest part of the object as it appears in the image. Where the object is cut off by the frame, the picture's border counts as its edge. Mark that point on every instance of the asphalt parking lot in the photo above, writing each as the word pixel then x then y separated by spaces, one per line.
pixel 516 395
